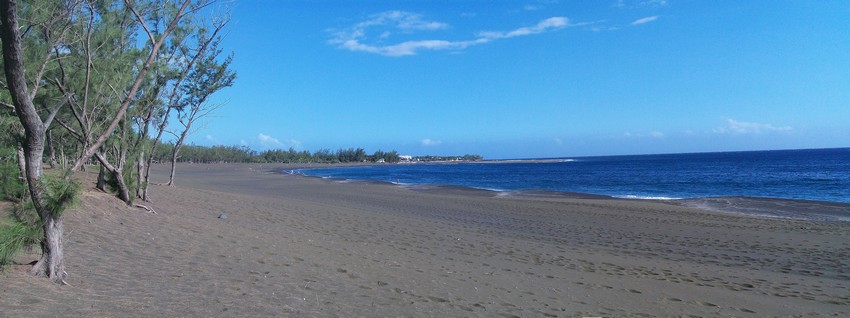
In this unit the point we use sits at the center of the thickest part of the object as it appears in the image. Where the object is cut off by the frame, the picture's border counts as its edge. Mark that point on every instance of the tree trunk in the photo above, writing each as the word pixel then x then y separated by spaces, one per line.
pixel 22 162
pixel 51 263
pixel 173 166
pixel 147 175
pixel 83 166
pixel 51 150
pixel 62 155
pixel 123 190
pixel 177 145
pixel 101 179
pixel 140 169
pixel 118 175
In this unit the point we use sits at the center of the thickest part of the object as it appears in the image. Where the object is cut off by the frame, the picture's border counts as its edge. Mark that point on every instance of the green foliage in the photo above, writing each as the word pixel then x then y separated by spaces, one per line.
pixel 131 178
pixel 16 236
pixel 220 154
pixel 25 212
pixel 24 229
pixel 111 183
pixel 390 157
pixel 351 155
pixel 60 193
pixel 12 188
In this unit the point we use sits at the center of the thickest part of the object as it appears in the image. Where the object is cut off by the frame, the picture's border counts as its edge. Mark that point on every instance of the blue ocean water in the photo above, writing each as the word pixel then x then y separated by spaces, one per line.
pixel 812 174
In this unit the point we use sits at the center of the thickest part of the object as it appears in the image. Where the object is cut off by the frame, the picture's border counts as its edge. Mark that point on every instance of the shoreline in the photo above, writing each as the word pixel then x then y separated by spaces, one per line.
pixel 764 207
pixel 242 240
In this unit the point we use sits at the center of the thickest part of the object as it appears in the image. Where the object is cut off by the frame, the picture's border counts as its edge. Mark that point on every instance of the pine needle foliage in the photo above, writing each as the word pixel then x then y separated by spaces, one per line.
pixel 61 193
pixel 16 236
pixel 24 229
pixel 12 188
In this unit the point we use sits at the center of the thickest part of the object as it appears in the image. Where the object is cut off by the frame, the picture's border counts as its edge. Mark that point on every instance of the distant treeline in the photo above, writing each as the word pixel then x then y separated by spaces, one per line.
pixel 214 154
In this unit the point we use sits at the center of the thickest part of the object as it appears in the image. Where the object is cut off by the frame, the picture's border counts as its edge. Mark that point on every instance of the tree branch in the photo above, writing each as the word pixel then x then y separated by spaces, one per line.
pixel 53 112
pixel 70 130
pixel 136 84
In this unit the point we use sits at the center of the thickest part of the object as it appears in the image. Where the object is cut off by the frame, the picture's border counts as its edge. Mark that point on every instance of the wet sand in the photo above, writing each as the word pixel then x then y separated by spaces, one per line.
pixel 308 247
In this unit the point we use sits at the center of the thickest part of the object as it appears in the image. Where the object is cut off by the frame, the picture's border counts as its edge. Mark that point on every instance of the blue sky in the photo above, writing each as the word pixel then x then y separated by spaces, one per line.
pixel 523 79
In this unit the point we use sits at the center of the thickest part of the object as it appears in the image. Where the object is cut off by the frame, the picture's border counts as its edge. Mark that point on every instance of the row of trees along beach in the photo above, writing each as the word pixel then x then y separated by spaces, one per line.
pixel 98 82
pixel 117 86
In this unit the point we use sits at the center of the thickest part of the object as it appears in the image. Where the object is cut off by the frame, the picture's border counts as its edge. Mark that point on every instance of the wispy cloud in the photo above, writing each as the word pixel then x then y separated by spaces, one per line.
pixel 357 38
pixel 645 20
pixel 734 127
pixel 211 139
pixel 268 142
pixel 651 134
pixel 404 21
pixel 558 141
pixel 540 27
pixel 654 3
pixel 532 7
pixel 539 5
pixel 429 142
pixel 639 3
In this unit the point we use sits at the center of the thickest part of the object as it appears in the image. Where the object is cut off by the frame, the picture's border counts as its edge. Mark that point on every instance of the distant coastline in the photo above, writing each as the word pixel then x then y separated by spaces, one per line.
pixel 759 207
pixel 785 184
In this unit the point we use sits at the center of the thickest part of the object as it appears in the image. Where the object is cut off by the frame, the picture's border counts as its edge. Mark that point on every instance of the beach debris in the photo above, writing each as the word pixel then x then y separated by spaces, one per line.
pixel 222 216
pixel 149 209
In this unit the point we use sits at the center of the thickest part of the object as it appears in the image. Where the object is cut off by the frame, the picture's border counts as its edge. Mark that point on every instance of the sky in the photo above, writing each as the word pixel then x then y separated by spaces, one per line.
pixel 535 79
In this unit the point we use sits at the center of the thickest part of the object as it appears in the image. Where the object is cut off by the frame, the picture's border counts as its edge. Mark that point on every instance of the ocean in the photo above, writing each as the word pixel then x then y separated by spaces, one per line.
pixel 699 178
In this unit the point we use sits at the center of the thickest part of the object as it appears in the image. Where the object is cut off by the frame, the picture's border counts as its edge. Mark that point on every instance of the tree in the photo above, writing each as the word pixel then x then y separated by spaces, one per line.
pixel 174 72
pixel 51 263
pixel 107 73
pixel 84 54
pixel 206 77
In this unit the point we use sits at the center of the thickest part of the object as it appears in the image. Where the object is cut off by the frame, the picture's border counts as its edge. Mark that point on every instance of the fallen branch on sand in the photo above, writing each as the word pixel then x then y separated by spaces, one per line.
pixel 149 209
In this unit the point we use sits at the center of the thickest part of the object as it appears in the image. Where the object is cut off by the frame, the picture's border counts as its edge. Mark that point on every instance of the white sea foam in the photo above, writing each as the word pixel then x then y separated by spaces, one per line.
pixel 640 197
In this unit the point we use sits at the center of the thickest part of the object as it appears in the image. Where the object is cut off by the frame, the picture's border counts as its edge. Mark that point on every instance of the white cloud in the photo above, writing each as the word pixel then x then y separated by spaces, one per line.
pixel 652 134
pixel 292 143
pixel 357 38
pixel 734 127
pixel 211 139
pixel 645 20
pixel 654 3
pixel 540 27
pixel 639 3
pixel 405 21
pixel 558 141
pixel 430 143
pixel 266 139
pixel 269 142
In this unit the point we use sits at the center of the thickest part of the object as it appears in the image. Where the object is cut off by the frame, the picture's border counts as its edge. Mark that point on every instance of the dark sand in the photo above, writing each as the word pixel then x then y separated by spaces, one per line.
pixel 308 247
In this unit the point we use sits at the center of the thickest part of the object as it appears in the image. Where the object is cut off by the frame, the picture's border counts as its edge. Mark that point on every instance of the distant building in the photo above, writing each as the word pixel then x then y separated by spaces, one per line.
pixel 405 158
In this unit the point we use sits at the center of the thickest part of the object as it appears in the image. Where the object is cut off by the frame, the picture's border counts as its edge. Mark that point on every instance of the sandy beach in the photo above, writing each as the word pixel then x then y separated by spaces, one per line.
pixel 243 241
